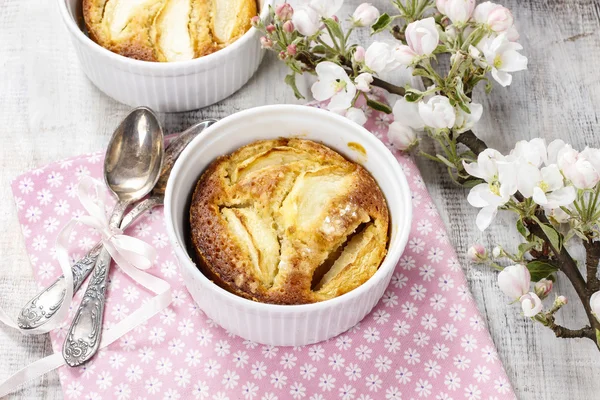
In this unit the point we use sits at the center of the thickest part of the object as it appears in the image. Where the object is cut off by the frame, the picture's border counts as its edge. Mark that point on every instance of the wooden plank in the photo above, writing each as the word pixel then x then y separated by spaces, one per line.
pixel 51 111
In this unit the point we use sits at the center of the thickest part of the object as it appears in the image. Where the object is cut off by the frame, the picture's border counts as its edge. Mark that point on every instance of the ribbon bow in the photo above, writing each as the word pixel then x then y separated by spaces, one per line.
pixel 125 250
pixel 131 255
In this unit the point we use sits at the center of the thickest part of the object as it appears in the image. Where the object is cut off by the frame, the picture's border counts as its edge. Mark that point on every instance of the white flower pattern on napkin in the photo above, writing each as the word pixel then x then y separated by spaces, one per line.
pixel 425 338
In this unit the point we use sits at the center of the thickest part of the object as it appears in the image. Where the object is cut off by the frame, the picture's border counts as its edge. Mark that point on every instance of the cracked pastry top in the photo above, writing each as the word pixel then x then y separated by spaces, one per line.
pixel 167 30
pixel 288 221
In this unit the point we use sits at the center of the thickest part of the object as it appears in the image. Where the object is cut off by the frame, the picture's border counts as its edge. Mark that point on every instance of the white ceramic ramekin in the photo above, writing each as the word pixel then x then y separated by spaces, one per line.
pixel 283 325
pixel 166 87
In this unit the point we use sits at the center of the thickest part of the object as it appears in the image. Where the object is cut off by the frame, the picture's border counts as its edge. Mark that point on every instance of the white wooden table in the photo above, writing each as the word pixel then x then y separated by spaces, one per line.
pixel 50 111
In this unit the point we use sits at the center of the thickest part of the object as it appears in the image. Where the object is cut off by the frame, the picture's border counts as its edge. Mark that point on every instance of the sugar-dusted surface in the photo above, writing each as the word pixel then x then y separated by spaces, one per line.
pixel 49 111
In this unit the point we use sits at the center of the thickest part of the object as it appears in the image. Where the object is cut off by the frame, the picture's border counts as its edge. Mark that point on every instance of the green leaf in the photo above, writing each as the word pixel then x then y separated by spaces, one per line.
pixel 540 270
pixel 598 337
pixel 382 23
pixel 470 183
pixel 522 229
pixel 412 96
pixel 376 105
pixel 335 28
pixel 555 238
pixel 420 72
pixel 319 49
pixel 291 80
pixel 525 247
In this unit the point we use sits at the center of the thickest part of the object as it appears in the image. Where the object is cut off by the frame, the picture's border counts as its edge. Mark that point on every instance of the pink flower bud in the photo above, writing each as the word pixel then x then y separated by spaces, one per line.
pixel 284 11
pixel 543 288
pixel 402 137
pixel 288 27
pixel 359 54
pixel 265 42
pixel 514 281
pixel 497 17
pixel 531 304
pixel 270 28
pixel 335 18
pixel 365 14
pixel 255 21
pixel 291 49
pixel 560 301
pixel 477 253
pixel 459 11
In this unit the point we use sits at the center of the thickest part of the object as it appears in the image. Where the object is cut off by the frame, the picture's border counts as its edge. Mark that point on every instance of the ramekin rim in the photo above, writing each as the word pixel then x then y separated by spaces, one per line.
pixel 207 61
pixel 402 232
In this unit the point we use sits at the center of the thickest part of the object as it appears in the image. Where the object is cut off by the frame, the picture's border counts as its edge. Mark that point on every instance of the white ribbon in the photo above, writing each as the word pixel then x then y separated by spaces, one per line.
pixel 131 255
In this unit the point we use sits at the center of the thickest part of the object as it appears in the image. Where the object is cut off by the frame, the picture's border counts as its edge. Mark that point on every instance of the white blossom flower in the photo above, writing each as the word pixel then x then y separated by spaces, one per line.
pixel 532 152
pixel 514 281
pixel 422 36
pixel 363 82
pixel 503 57
pixel 531 304
pixel 326 8
pixel 575 166
pixel 306 20
pixel 437 112
pixel 501 183
pixel 498 18
pixel 401 137
pixel 356 115
pixel 379 58
pixel 465 121
pixel 333 84
pixel 459 11
pixel 545 186
pixel 365 14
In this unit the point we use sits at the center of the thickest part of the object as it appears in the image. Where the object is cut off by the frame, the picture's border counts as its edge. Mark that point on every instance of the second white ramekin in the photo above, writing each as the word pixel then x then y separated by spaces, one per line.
pixel 283 325
pixel 165 87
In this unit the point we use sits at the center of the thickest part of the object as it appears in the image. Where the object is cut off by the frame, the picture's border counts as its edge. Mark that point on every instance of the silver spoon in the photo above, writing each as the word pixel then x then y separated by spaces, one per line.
pixel 131 169
pixel 44 305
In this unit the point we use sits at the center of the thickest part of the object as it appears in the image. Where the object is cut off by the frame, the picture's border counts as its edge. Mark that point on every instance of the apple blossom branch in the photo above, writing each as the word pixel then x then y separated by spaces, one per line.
pixel 453 46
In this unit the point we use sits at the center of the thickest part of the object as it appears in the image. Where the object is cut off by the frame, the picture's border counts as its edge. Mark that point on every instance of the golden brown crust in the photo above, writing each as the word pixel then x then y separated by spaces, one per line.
pixel 288 221
pixel 136 36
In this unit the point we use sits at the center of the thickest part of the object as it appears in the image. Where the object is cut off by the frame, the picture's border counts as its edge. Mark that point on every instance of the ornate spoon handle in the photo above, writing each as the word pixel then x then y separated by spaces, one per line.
pixel 41 307
pixel 83 338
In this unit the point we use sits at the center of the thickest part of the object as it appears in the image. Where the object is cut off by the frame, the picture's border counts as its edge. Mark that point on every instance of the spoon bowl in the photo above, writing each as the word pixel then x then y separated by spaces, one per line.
pixel 135 155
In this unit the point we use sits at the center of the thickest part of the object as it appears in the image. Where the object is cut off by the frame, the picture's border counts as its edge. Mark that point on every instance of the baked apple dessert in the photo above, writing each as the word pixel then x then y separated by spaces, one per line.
pixel 167 30
pixel 288 221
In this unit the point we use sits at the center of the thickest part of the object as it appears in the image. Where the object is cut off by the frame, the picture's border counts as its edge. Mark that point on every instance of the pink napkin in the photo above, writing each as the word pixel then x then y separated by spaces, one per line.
pixel 425 338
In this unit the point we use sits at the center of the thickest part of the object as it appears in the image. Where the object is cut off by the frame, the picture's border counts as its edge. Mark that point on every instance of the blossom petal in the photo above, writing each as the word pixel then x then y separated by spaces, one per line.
pixel 562 197
pixel 528 178
pixel 407 113
pixel 475 197
pixel 553 148
pixel 357 115
pixel 485 217
pixel 552 177
pixel 501 77
pixel 513 62
pixel 539 196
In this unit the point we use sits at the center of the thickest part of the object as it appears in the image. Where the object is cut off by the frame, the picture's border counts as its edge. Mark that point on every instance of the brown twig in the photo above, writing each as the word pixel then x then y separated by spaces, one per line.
pixel 474 144
pixel 388 86
pixel 567 266
pixel 563 332
pixel 592 257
